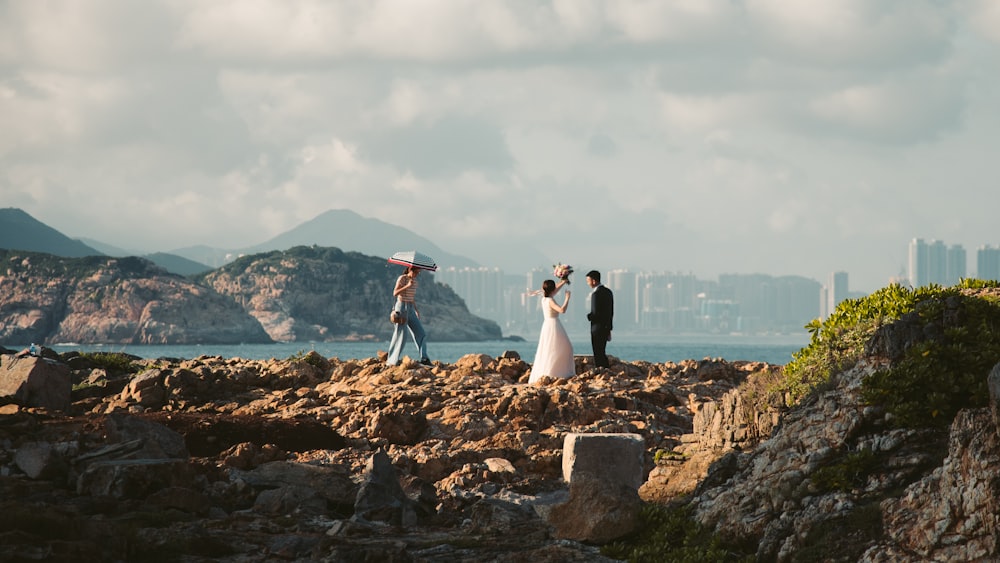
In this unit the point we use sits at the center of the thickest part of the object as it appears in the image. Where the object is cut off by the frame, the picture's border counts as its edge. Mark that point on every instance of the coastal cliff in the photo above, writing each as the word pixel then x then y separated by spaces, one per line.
pixel 303 294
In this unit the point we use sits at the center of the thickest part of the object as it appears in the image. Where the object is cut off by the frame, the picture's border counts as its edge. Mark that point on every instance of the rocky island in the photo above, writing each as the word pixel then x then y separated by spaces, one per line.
pixel 300 294
pixel 878 442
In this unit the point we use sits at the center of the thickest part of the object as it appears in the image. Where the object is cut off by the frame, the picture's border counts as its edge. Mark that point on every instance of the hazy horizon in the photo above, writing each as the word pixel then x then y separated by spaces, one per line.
pixel 748 136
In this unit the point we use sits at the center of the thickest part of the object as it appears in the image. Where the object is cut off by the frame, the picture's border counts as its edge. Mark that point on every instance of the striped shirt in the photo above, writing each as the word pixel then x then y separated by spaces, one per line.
pixel 408 294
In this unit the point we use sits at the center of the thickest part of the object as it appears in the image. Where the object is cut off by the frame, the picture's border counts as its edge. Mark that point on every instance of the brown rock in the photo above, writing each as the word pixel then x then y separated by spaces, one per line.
pixel 596 512
pixel 35 382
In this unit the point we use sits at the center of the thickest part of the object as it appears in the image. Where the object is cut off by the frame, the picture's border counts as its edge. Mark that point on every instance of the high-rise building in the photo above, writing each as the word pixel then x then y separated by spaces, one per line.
pixel 770 304
pixel 481 288
pixel 665 300
pixel 824 302
pixel 623 284
pixel 956 264
pixel 988 263
pixel 937 262
pixel 837 291
pixel 917 262
pixel 933 262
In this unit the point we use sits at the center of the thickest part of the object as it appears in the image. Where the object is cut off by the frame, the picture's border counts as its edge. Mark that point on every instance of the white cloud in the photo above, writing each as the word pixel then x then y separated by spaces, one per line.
pixel 442 31
pixel 696 114
pixel 853 33
pixel 92 36
pixel 44 109
pixel 684 20
pixel 407 101
pixel 423 31
pixel 755 133
pixel 984 16
pixel 891 110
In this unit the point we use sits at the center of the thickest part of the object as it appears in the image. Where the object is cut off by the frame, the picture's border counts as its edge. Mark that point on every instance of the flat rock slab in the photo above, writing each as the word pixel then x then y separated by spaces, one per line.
pixel 612 458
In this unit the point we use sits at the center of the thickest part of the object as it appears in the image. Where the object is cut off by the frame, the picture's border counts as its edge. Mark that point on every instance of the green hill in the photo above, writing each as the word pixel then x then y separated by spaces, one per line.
pixel 20 231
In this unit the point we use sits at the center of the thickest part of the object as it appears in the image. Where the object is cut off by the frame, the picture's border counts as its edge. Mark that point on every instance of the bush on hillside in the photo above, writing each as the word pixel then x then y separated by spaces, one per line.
pixel 935 377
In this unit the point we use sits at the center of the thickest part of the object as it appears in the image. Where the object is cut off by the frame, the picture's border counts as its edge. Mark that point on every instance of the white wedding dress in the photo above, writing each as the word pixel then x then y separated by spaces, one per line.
pixel 554 356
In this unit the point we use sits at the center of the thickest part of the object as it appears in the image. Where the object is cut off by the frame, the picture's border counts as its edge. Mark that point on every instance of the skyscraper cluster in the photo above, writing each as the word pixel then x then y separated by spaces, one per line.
pixel 651 301
pixel 988 263
pixel 935 262
pixel 681 303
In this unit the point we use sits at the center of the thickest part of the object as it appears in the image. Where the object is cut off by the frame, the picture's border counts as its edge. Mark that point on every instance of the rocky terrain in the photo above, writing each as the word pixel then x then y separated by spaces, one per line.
pixel 223 459
pixel 317 459
pixel 302 294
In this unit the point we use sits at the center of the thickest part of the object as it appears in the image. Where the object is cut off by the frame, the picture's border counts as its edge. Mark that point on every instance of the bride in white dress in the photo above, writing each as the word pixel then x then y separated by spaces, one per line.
pixel 554 356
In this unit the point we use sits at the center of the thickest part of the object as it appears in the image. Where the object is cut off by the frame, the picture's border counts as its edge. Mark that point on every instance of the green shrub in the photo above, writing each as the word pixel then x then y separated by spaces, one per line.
pixel 838 342
pixel 938 377
pixel 668 534
pixel 668 455
pixel 112 362
pixel 935 378
pixel 849 472
pixel 311 357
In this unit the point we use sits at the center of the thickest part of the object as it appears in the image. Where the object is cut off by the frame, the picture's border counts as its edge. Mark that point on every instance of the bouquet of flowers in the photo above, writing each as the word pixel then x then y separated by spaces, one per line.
pixel 562 271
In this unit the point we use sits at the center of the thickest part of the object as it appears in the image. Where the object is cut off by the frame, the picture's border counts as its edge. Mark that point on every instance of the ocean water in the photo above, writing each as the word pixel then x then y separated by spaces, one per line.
pixel 771 349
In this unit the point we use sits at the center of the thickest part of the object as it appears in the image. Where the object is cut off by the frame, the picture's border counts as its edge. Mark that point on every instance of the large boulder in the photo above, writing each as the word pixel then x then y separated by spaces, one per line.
pixel 381 497
pixel 39 460
pixel 604 472
pixel 157 441
pixel 133 478
pixel 596 512
pixel 609 457
pixel 32 381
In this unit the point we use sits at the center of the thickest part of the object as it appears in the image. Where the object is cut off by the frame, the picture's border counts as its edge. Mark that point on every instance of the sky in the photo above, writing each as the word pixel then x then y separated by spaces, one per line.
pixel 696 136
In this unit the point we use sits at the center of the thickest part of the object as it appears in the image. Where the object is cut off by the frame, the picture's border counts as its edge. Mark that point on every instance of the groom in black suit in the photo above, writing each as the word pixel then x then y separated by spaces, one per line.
pixel 602 308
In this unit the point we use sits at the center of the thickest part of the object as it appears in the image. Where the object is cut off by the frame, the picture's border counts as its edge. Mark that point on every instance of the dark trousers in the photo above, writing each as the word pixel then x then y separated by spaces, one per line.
pixel 599 341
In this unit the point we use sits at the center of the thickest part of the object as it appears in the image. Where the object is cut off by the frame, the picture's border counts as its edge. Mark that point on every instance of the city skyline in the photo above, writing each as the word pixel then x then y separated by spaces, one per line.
pixel 658 302
pixel 934 261
pixel 731 303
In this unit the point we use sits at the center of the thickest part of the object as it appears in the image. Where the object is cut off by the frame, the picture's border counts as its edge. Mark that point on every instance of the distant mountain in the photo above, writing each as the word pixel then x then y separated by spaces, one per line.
pixel 170 262
pixel 345 229
pixel 108 249
pixel 339 228
pixel 350 232
pixel 177 264
pixel 20 231
pixel 210 256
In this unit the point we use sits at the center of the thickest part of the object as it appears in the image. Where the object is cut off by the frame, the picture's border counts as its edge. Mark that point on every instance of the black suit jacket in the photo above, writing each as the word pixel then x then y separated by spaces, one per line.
pixel 602 308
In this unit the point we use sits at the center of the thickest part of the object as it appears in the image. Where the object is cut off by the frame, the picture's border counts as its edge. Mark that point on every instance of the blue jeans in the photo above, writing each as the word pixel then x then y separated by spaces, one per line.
pixel 398 341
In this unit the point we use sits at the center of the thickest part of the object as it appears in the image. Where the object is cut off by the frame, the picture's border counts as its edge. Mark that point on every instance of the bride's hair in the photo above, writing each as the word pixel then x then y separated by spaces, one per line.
pixel 548 286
